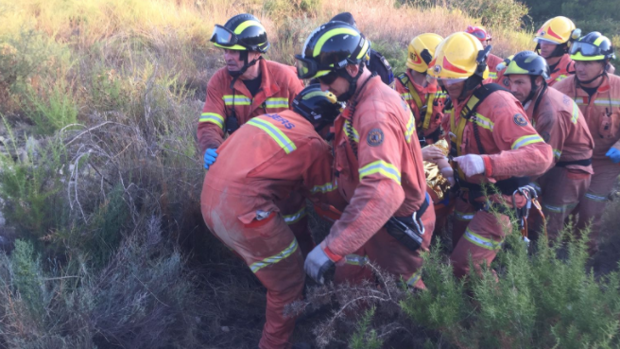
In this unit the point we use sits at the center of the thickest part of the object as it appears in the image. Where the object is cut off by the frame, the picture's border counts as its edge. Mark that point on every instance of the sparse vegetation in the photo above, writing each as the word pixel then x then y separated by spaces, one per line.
pixel 100 182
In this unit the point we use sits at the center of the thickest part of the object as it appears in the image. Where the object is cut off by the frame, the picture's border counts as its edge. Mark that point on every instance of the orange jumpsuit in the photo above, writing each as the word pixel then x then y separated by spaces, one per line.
pixel 262 163
pixel 602 114
pixel 378 164
pixel 512 148
pixel 492 62
pixel 279 86
pixel 431 99
pixel 561 124
pixel 563 69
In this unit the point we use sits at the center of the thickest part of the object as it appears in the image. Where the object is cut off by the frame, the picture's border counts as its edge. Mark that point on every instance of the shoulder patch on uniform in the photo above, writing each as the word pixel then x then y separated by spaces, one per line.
pixel 567 100
pixel 545 136
pixel 375 137
pixel 519 120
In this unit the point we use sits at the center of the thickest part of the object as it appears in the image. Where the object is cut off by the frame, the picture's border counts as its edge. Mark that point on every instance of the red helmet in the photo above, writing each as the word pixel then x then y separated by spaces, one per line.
pixel 479 32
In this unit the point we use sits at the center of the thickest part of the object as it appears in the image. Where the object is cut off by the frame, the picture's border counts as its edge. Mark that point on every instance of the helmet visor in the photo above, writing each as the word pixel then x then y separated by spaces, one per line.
pixel 479 34
pixel 223 36
pixel 587 50
pixel 308 69
pixel 450 82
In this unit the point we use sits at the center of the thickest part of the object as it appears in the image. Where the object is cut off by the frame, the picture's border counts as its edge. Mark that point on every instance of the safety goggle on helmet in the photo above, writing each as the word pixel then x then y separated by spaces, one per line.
pixel 241 32
pixel 592 47
pixel 223 36
pixel 330 48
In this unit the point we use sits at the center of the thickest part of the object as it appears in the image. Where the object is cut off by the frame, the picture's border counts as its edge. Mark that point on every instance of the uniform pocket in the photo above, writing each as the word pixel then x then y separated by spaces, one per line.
pixel 345 174
pixel 609 125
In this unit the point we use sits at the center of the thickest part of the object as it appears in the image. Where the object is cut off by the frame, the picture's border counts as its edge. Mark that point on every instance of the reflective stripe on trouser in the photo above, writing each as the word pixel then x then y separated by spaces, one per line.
pixel 463 214
pixel 389 255
pixel 294 212
pixel 482 240
pixel 561 190
pixel 592 206
pixel 283 279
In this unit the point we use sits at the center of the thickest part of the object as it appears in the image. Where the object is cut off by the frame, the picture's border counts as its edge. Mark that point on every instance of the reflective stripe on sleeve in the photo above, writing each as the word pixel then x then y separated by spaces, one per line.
pixel 482 241
pixel 381 167
pixel 213 118
pixel 526 140
pixel 295 217
pixel 283 141
pixel 575 115
pixel 275 258
pixel 410 128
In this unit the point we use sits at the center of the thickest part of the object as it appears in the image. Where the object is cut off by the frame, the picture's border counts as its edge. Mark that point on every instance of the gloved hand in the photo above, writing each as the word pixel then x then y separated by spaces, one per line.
pixel 614 155
pixel 448 173
pixel 210 156
pixel 317 263
pixel 470 164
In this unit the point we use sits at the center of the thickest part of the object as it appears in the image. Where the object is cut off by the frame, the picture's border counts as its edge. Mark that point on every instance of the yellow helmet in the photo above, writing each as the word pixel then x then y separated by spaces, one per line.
pixel 558 30
pixel 421 51
pixel 456 57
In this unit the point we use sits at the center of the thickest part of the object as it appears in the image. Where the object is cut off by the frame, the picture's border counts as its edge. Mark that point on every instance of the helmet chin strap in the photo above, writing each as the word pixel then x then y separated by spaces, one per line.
pixel 587 82
pixel 232 123
pixel 533 90
pixel 352 83
pixel 244 56
pixel 470 84
pixel 558 51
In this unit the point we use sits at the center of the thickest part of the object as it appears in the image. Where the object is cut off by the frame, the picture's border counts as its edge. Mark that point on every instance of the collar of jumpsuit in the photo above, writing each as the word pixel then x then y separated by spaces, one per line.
pixel 267 85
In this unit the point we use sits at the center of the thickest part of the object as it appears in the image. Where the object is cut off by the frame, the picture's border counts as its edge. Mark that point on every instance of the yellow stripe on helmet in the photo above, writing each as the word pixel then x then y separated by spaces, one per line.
pixel 330 34
pixel 251 23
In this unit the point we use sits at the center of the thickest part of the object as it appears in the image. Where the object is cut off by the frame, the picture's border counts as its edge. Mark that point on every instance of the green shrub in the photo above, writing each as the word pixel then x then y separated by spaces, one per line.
pixel 365 337
pixel 538 301
pixel 53 108
pixel 31 186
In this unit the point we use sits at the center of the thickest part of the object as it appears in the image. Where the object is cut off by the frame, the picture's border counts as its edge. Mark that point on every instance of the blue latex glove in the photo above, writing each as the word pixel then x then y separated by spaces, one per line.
pixel 614 155
pixel 210 156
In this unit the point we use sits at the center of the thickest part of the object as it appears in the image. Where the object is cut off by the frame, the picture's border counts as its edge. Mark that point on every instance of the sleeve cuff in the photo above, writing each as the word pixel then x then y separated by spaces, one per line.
pixel 488 168
pixel 334 257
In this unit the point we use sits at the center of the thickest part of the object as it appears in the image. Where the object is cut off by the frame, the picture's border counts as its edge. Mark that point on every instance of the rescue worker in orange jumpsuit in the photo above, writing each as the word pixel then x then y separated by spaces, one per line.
pixel 269 157
pixel 247 87
pixel 561 124
pixel 427 102
pixel 378 165
pixel 553 41
pixel 424 97
pixel 597 94
pixel 491 142
pixel 485 39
